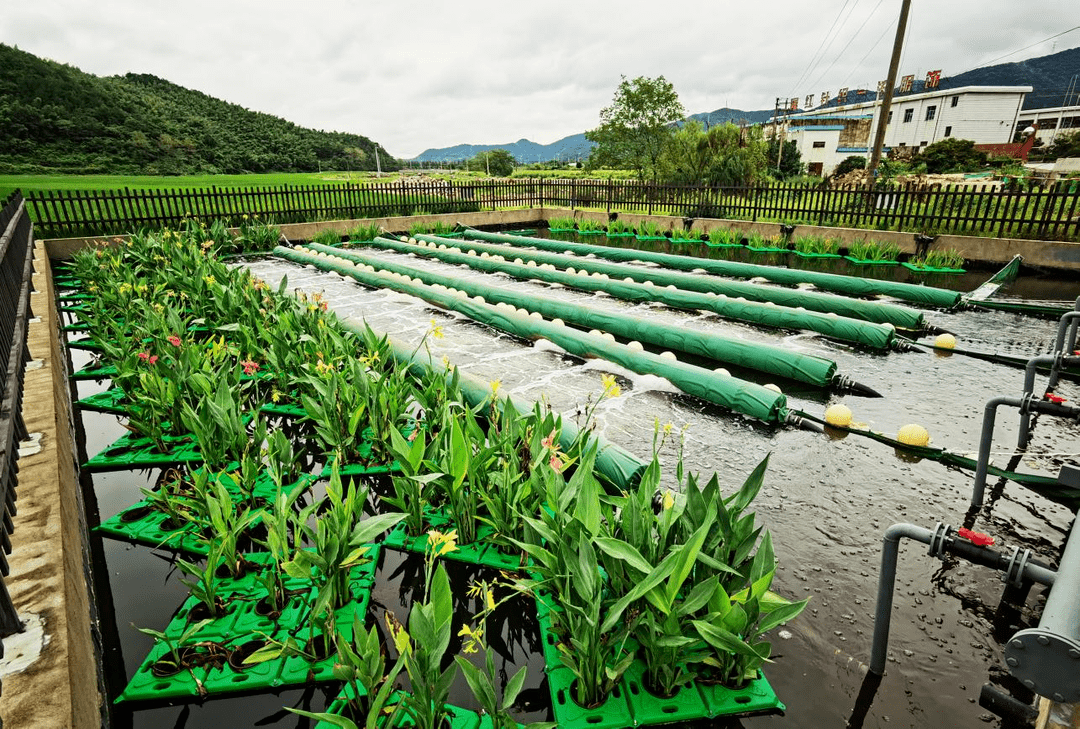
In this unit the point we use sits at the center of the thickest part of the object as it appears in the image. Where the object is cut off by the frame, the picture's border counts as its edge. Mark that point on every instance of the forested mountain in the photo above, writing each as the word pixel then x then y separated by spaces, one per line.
pixel 55 118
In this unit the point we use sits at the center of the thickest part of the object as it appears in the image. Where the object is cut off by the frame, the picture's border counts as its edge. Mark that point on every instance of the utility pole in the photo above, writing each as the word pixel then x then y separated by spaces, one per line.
pixel 886 103
pixel 378 165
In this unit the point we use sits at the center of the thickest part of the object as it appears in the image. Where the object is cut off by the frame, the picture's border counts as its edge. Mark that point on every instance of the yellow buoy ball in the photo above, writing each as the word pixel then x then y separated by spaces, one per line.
pixel 531 264
pixel 945 341
pixel 635 346
pixel 668 355
pixel 722 371
pixel 773 388
pixel 571 269
pixel 913 435
pixel 558 322
pixel 838 415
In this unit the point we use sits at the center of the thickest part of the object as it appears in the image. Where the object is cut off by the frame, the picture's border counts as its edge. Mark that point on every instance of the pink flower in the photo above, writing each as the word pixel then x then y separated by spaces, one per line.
pixel 250 366
pixel 556 463
pixel 152 359
pixel 143 355
pixel 174 340
pixel 412 435
pixel 549 442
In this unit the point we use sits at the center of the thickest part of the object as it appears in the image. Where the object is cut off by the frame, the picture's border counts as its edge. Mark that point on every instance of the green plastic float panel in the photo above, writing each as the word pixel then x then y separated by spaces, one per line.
pixel 738 395
pixel 825 303
pixel 107 401
pixel 242 624
pixel 94 371
pixel 876 336
pixel 852 285
pixel 141 523
pixel 129 452
pixel 762 357
pixel 481 552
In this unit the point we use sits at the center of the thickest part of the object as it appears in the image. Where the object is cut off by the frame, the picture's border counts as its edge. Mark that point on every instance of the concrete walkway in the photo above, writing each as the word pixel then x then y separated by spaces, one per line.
pixel 49 672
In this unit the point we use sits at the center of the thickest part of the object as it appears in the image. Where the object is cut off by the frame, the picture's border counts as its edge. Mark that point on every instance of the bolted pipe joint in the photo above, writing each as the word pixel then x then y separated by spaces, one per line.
pixel 1046 659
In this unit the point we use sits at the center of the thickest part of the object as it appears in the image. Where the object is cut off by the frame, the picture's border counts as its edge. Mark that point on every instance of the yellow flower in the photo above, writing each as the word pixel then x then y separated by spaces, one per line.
pixel 611 387
pixel 210 280
pixel 669 500
pixel 275 395
pixel 435 331
pixel 667 428
pixel 440 543
pixel 474 638
pixel 495 385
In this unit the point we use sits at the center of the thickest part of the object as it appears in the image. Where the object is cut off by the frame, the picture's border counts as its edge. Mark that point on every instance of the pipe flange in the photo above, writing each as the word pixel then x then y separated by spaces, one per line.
pixel 1026 402
pixel 939 540
pixel 1014 570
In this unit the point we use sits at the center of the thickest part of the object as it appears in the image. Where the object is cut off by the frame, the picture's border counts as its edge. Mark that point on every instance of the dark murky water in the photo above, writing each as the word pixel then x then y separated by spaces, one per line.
pixel 827 502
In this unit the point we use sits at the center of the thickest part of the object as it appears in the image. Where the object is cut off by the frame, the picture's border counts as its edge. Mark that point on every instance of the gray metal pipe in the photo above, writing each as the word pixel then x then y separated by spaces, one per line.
pixel 941 541
pixel 1026 404
pixel 1066 340
pixel 1046 659
pixel 1029 388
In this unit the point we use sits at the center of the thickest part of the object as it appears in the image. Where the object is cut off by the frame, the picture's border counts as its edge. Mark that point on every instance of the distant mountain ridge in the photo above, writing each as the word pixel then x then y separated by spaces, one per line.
pixel 571 148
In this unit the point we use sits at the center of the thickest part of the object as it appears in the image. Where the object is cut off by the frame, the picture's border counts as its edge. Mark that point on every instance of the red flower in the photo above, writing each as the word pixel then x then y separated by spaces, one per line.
pixel 977 538
pixel 152 360
pixel 143 355
pixel 250 366
pixel 174 340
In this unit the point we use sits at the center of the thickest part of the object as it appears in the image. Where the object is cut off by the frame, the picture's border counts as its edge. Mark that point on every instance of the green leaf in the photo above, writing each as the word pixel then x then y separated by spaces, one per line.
pixel 781 615
pixel 722 639
pixel 513 688
pixel 626 552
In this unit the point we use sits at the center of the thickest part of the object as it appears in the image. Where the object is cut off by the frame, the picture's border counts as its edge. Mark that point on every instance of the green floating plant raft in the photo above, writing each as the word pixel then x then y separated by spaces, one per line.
pixel 482 552
pixel 108 401
pixel 130 451
pixel 631 704
pixel 457 718
pixel 143 523
pixel 94 371
pixel 245 625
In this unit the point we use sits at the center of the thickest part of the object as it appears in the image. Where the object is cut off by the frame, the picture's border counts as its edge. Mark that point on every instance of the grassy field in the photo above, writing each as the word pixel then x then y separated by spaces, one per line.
pixel 28 183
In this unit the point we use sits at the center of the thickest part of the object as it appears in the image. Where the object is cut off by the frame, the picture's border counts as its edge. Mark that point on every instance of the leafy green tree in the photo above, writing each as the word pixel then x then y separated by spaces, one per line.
pixel 498 162
pixel 724 155
pixel 1066 145
pixel 952 155
pixel 791 164
pixel 854 162
pixel 637 127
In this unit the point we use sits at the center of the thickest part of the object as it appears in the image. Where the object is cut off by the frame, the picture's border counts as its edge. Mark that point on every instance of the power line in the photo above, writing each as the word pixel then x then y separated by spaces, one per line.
pixel 853 37
pixel 987 63
pixel 814 58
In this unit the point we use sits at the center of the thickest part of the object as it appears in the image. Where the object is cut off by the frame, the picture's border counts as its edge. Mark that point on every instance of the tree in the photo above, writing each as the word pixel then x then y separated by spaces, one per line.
pixel 790 161
pixel 952 155
pixel 637 127
pixel 854 162
pixel 724 155
pixel 498 162
pixel 1066 145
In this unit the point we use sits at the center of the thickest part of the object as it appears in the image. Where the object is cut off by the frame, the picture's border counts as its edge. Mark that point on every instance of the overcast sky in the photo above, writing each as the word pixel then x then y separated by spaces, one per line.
pixel 414 74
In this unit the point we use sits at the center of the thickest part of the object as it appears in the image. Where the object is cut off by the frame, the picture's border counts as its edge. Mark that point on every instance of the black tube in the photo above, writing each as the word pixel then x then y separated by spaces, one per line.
pixel 1005 706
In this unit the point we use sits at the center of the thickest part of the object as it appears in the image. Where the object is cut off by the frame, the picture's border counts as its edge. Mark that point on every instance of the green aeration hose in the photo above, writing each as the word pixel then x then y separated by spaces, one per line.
pixel 750 355
pixel 898 316
pixel 877 336
pixel 724 390
pixel 618 467
pixel 851 285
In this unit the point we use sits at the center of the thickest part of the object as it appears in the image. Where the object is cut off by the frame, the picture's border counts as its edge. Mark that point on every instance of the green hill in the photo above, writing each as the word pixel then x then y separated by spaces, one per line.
pixel 56 119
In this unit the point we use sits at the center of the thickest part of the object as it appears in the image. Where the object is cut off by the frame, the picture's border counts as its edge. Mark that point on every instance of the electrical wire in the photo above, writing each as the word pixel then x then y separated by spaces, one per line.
pixel 853 37
pixel 830 45
pixel 813 58
pixel 1011 53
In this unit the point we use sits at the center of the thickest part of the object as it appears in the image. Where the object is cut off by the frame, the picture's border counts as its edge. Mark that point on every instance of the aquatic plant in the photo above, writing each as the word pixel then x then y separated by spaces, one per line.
pixel 327 237
pixel 618 227
pixel 816 244
pixel 649 229
pixel 868 250
pixel 365 231
pixel 947 258
pixel 561 224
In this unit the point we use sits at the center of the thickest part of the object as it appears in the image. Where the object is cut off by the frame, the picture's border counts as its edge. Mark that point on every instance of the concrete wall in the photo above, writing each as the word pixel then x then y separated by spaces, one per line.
pixel 57 684
pixel 1043 254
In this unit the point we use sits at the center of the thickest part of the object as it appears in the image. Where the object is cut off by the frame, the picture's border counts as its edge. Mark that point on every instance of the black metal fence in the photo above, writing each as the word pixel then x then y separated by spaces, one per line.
pixel 1048 212
pixel 16 267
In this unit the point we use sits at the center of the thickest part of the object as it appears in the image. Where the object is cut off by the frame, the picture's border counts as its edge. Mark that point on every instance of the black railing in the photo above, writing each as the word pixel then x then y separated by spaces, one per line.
pixel 16 267
pixel 1047 212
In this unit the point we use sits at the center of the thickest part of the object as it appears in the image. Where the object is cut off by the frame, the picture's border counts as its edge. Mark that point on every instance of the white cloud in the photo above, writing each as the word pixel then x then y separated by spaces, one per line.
pixel 416 74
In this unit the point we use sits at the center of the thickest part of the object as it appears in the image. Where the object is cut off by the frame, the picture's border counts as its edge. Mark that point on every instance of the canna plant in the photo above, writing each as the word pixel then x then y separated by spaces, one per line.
pixel 423 646
pixel 204 586
pixel 175 661
pixel 735 623
pixel 226 523
pixel 337 400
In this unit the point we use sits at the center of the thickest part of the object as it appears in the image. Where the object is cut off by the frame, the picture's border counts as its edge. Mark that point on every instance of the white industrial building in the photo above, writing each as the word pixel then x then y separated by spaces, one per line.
pixel 982 114
pixel 1053 122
